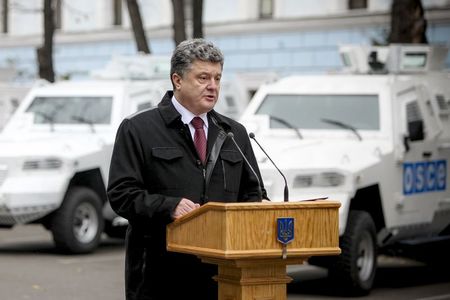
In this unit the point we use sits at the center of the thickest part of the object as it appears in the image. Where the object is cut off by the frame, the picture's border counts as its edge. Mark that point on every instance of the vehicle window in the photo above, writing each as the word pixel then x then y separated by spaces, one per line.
pixel 308 111
pixel 413 112
pixel 414 122
pixel 71 110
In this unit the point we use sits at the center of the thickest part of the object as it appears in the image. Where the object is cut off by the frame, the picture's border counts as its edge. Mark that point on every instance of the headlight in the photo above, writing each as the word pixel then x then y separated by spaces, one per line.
pixel 330 179
pixel 302 181
pixel 325 179
pixel 42 164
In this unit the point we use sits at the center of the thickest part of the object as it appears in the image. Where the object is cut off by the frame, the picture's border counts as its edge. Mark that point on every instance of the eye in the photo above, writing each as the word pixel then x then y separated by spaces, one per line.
pixel 203 78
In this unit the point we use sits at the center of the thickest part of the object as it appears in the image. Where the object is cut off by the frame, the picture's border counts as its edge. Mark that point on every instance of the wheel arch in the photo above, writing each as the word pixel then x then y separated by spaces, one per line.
pixel 368 199
pixel 91 179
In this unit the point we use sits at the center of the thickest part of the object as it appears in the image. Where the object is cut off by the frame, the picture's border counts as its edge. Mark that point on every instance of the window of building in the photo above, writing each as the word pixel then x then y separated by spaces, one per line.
pixel 117 12
pixel 357 4
pixel 4 16
pixel 265 9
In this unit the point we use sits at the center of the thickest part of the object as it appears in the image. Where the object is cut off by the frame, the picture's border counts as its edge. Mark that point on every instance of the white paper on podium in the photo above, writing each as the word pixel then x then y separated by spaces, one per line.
pixel 309 199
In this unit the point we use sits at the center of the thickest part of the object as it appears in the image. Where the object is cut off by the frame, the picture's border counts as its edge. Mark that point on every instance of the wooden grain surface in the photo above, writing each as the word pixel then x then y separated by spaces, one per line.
pixel 244 230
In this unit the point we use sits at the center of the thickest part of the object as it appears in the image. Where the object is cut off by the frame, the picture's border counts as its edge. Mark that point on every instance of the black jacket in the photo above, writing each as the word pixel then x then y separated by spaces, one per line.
pixel 154 164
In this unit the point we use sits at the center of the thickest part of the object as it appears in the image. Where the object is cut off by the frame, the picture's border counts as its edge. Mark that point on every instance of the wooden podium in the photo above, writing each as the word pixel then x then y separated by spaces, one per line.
pixel 242 239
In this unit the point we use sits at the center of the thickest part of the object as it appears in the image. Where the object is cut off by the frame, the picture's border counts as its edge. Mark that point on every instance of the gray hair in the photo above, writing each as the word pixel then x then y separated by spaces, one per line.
pixel 190 50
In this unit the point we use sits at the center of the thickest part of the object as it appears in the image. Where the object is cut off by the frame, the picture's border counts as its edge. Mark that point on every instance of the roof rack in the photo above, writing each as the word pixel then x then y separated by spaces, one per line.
pixel 395 58
pixel 135 67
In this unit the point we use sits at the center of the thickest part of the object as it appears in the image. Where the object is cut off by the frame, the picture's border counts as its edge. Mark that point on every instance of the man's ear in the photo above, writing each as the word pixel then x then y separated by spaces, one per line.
pixel 176 80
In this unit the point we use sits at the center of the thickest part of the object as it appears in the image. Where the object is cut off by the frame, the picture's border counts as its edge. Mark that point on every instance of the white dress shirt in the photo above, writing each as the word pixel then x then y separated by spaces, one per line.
pixel 187 116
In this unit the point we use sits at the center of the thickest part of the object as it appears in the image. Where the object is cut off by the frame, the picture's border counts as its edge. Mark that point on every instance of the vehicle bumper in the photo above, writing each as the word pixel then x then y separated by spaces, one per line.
pixel 26 199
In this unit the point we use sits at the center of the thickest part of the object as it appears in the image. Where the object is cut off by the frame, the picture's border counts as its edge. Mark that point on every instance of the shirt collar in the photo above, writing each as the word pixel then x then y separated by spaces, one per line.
pixel 186 115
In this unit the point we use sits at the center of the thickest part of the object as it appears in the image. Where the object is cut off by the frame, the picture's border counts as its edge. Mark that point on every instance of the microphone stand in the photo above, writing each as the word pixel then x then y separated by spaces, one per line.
pixel 286 190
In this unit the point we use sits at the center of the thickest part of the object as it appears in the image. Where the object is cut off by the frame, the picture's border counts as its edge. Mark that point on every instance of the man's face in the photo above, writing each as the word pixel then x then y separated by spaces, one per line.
pixel 198 89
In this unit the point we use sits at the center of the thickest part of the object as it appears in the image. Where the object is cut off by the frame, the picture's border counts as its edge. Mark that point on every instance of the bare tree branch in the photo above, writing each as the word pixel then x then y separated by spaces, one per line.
pixel 197 15
pixel 45 52
pixel 138 28
pixel 408 23
pixel 179 27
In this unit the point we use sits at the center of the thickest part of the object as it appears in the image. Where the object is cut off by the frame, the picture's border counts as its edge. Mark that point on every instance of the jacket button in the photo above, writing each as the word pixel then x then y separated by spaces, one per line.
pixel 198 162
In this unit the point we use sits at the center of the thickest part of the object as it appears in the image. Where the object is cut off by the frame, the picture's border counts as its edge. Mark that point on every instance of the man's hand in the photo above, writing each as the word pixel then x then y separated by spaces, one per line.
pixel 185 206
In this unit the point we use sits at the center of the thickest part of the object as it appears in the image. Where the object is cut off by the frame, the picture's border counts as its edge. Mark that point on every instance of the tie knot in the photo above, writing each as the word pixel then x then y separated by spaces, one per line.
pixel 197 122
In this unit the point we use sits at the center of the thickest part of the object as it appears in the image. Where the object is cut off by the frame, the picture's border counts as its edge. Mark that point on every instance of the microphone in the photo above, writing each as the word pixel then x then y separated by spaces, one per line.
pixel 231 136
pixel 286 190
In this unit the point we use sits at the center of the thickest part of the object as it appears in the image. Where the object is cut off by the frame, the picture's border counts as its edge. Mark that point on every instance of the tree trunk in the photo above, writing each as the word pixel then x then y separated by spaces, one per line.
pixel 45 52
pixel 138 28
pixel 408 24
pixel 5 16
pixel 197 15
pixel 179 27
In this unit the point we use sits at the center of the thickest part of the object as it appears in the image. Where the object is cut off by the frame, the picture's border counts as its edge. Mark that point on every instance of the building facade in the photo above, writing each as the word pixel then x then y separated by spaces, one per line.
pixel 280 36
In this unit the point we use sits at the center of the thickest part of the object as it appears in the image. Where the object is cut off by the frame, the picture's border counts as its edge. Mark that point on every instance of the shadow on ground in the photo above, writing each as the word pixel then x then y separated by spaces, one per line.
pixel 389 276
pixel 46 246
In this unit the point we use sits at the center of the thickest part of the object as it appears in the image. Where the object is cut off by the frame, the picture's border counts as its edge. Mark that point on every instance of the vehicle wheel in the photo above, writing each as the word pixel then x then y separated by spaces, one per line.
pixel 354 270
pixel 78 224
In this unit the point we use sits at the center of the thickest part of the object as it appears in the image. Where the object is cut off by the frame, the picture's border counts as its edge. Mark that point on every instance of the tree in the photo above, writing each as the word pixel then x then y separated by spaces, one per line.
pixel 45 52
pixel 138 27
pixel 5 16
pixel 408 23
pixel 197 16
pixel 179 27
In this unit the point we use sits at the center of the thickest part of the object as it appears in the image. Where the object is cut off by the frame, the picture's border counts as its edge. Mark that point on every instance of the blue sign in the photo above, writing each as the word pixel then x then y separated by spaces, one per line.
pixel 285 233
pixel 420 177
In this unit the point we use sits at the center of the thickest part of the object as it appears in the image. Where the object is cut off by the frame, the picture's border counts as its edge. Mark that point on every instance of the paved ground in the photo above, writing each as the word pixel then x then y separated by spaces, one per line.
pixel 31 269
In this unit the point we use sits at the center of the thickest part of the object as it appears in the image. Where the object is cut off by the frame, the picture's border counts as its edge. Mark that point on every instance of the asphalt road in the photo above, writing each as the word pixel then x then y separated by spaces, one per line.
pixel 30 268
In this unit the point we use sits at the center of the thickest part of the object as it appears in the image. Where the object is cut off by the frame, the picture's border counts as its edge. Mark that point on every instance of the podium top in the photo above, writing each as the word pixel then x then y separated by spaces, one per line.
pixel 249 230
pixel 225 206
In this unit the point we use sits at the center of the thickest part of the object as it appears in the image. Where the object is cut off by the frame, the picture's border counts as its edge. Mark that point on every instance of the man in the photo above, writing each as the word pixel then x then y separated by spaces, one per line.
pixel 167 162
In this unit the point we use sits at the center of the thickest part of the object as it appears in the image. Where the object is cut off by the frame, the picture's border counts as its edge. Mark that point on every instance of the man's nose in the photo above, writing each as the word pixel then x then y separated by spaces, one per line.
pixel 213 84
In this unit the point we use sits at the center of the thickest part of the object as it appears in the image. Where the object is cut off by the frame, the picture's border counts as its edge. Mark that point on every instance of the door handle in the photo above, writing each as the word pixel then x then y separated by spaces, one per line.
pixel 427 154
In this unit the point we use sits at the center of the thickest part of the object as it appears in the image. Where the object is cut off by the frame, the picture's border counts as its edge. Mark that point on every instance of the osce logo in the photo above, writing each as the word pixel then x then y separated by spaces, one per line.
pixel 420 177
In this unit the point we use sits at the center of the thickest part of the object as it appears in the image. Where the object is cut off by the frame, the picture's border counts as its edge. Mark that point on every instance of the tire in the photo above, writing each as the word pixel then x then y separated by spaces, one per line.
pixel 78 224
pixel 354 270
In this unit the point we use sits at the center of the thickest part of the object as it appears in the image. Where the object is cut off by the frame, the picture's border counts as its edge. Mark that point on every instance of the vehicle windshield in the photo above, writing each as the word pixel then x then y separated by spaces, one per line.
pixel 310 111
pixel 71 110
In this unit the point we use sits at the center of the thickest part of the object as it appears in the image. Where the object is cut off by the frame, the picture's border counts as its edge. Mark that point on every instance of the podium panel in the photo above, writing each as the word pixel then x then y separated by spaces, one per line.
pixel 253 242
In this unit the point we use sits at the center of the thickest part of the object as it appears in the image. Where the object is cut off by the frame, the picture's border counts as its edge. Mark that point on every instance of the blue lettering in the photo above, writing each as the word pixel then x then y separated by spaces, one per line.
pixel 431 177
pixel 441 177
pixel 422 177
pixel 408 178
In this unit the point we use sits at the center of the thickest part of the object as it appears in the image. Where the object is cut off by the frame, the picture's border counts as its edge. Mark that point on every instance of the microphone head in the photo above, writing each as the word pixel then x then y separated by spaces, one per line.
pixel 251 135
pixel 230 134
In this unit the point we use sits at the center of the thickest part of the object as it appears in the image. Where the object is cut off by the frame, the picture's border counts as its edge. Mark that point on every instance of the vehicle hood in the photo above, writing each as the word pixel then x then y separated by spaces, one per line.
pixel 39 145
pixel 320 154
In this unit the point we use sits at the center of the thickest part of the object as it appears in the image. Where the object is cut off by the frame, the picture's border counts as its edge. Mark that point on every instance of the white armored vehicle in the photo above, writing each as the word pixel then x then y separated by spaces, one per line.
pixel 55 153
pixel 376 138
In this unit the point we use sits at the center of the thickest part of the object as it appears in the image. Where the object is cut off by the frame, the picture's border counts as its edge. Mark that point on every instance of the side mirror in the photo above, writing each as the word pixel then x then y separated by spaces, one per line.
pixel 415 131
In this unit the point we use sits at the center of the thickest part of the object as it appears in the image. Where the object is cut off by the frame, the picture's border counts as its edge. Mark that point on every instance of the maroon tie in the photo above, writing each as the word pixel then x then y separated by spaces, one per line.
pixel 199 138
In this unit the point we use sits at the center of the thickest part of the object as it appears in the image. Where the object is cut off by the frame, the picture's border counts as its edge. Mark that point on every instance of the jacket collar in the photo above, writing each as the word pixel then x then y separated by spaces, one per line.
pixel 168 112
